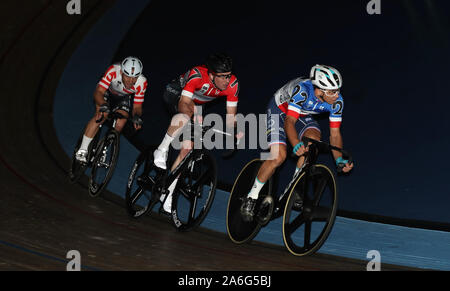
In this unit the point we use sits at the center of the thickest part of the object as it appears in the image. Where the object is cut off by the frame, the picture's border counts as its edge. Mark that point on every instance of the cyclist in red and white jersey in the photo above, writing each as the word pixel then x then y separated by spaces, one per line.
pixel 198 86
pixel 122 89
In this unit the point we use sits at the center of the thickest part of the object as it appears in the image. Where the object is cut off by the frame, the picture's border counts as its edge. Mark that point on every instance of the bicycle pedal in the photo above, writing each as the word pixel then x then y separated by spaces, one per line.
pixel 103 165
pixel 268 200
pixel 143 179
pixel 298 205
pixel 265 210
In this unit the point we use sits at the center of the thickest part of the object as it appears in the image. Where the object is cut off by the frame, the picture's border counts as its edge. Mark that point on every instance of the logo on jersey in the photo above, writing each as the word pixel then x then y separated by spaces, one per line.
pixel 204 89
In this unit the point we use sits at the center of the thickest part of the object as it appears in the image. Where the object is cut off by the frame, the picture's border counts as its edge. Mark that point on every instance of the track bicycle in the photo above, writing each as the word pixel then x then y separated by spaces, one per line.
pixel 308 204
pixel 102 155
pixel 195 190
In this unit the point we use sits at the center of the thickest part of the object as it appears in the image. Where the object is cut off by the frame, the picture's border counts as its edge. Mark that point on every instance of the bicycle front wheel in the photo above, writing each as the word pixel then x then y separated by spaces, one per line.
pixel 104 163
pixel 194 193
pixel 310 211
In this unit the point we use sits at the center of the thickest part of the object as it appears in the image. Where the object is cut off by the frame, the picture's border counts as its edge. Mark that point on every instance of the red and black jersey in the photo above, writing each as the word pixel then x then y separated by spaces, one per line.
pixel 198 86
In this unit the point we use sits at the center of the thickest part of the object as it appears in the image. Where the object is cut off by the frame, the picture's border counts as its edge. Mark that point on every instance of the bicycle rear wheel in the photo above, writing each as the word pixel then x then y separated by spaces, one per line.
pixel 194 193
pixel 240 230
pixel 104 163
pixel 76 168
pixel 310 211
pixel 140 197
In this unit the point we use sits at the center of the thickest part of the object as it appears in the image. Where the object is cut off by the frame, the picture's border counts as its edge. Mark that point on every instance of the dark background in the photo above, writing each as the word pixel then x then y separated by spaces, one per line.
pixel 395 69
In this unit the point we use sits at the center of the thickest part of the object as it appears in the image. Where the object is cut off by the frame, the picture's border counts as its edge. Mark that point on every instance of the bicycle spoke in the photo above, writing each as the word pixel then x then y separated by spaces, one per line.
pixel 295 224
pixel 201 179
pixel 305 189
pixel 192 209
pixel 191 201
pixel 321 213
pixel 307 234
pixel 185 193
pixel 138 193
pixel 319 190
pixel 145 181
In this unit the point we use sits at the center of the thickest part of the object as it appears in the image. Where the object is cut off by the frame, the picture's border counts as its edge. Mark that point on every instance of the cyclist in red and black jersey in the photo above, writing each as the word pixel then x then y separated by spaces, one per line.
pixel 198 86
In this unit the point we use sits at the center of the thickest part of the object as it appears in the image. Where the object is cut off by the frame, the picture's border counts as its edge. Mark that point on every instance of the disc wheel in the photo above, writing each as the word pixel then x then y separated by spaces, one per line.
pixel 242 230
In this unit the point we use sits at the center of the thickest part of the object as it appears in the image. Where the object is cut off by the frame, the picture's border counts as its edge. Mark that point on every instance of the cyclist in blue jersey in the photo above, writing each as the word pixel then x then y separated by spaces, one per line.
pixel 291 109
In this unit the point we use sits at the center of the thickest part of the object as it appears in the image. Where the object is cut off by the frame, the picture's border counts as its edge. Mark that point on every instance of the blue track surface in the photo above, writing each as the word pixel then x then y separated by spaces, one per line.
pixel 349 238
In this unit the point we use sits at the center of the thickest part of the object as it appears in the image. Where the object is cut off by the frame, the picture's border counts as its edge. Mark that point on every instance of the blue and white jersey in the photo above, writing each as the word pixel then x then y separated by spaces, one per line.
pixel 297 98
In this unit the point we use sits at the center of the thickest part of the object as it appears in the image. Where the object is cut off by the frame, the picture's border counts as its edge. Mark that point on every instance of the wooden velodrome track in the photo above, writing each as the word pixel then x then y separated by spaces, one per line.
pixel 43 216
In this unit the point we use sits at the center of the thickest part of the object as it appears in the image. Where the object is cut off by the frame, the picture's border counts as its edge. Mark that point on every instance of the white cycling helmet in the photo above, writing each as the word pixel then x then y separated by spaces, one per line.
pixel 325 77
pixel 132 67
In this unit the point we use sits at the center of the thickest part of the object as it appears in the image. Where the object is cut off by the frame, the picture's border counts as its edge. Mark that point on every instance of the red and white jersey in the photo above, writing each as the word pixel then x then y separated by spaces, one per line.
pixel 112 81
pixel 198 86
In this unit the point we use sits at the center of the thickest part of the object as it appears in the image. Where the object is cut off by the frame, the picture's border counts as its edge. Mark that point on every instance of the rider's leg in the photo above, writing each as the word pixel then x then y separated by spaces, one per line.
pixel 89 133
pixel 176 126
pixel 186 108
pixel 277 157
pixel 177 122
pixel 187 146
pixel 276 138
pixel 311 132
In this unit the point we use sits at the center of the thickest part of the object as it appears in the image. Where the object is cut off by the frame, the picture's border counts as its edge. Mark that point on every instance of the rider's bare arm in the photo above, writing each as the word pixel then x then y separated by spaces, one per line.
pixel 231 116
pixel 291 132
pixel 336 140
pixel 137 109
pixel 231 120
pixel 186 106
pixel 98 95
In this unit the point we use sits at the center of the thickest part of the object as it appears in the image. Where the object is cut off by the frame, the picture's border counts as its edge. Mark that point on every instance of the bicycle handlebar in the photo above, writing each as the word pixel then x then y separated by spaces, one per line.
pixel 113 115
pixel 328 147
pixel 229 153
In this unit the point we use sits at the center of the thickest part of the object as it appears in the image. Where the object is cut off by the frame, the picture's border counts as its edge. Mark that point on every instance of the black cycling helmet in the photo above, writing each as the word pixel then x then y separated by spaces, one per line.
pixel 219 63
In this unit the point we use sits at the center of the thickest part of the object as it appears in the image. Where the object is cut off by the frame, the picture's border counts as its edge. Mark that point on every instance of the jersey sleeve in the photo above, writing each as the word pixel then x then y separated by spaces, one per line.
pixel 232 98
pixel 336 113
pixel 299 95
pixel 140 92
pixel 193 82
pixel 109 75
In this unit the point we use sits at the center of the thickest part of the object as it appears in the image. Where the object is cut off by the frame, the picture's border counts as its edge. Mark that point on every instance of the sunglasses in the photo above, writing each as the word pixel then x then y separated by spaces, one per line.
pixel 330 93
pixel 227 76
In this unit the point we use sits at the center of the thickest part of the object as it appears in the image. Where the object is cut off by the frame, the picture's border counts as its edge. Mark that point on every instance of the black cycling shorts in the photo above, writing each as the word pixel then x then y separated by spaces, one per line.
pixel 119 102
pixel 172 96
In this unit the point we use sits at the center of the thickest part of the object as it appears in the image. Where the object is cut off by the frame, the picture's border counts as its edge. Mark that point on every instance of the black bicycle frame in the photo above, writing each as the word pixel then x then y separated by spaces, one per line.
pixel 310 158
pixel 168 178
